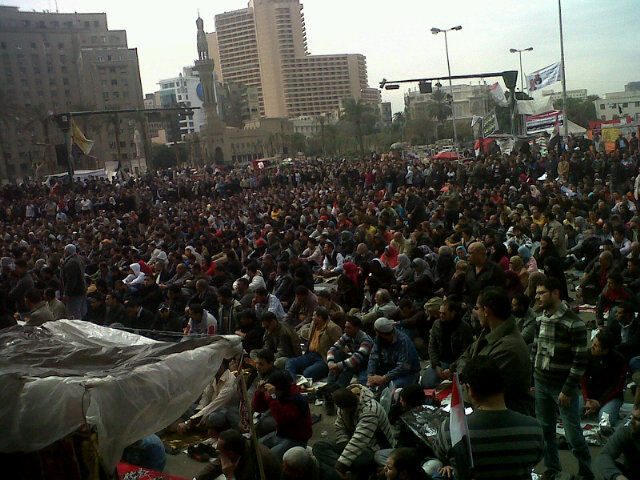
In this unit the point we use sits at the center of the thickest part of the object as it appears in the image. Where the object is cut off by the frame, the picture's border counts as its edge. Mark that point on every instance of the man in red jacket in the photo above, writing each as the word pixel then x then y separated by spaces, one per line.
pixel 290 410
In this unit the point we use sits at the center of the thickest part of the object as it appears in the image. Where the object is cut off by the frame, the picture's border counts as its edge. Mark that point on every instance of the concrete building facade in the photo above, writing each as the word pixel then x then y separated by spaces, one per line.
pixel 185 89
pixel 468 100
pixel 265 46
pixel 580 93
pixel 59 62
pixel 618 105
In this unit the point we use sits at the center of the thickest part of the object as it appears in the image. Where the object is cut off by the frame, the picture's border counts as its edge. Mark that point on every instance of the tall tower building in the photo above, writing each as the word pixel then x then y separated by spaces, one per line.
pixel 59 62
pixel 265 46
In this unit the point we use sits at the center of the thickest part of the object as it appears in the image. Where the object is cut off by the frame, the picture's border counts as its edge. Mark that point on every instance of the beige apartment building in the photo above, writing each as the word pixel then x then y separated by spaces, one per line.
pixel 265 46
pixel 59 62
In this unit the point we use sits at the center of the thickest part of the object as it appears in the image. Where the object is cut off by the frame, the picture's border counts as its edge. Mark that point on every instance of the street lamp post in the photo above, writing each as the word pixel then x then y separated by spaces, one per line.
pixel 519 52
pixel 436 31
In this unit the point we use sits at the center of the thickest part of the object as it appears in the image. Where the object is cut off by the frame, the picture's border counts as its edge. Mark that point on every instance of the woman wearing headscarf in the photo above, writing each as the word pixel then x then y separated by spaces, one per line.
pixel 404 271
pixel 529 260
pixel 547 249
pixel 516 265
pixel 461 254
pixel 390 256
pixel 422 284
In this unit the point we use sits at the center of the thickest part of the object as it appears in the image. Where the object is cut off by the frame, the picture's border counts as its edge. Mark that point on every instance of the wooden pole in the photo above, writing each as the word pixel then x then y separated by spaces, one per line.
pixel 252 428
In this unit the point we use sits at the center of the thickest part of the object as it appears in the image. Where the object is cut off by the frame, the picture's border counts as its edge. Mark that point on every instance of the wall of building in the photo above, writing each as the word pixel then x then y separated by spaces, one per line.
pixel 54 63
pixel 618 104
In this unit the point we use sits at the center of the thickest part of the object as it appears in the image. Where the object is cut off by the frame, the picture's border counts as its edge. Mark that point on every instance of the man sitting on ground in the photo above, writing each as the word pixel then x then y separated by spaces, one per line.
pixel 323 335
pixel 624 442
pixel 393 357
pixel 362 427
pixel 289 409
pixel 238 460
pixel 279 339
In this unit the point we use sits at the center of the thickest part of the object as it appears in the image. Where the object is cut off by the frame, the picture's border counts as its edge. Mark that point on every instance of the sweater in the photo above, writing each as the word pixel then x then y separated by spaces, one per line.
pixel 369 429
pixel 504 444
pixel 356 348
pixel 559 350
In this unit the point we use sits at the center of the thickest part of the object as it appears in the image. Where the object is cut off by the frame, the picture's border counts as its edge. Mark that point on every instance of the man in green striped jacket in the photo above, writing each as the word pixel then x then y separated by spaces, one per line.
pixel 559 356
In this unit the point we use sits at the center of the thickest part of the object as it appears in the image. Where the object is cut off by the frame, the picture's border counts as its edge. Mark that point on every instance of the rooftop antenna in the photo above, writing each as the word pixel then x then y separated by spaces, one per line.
pixel 57 11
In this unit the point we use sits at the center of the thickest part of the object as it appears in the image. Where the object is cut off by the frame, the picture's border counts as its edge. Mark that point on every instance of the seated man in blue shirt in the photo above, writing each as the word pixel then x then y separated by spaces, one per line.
pixel 393 357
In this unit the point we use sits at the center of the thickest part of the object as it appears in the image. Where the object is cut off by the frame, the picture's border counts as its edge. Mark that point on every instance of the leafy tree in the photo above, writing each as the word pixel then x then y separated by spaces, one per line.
pixel 359 114
pixel 439 107
pixel 579 110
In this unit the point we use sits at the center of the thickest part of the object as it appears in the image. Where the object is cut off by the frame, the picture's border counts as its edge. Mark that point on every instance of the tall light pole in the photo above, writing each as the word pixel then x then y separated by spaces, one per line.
pixel 519 52
pixel 565 120
pixel 436 31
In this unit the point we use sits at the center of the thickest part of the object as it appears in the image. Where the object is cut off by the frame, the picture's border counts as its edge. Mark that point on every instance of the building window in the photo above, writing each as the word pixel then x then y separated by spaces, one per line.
pixel 625 105
pixel 18 46
pixel 60 46
pixel 96 23
pixel 87 24
pixel 602 106
pixel 26 23
pixel 63 59
pixel 105 95
pixel 114 81
pixel 94 39
pixel 33 45
pixel 63 69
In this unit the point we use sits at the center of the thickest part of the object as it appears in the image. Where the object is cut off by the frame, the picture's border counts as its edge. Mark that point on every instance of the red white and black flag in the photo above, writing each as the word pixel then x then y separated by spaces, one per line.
pixel 460 439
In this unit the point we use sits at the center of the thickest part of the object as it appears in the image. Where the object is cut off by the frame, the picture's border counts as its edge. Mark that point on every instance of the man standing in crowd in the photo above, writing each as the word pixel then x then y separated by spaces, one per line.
pixel 559 356
pixel 501 341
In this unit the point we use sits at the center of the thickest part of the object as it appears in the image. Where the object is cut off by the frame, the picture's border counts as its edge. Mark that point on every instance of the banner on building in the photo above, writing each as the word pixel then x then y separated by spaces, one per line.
pixel 498 95
pixel 544 77
pixel 545 122
pixel 610 134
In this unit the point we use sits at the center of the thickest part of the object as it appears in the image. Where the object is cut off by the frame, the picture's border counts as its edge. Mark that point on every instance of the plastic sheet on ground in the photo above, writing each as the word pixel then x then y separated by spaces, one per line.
pixel 56 377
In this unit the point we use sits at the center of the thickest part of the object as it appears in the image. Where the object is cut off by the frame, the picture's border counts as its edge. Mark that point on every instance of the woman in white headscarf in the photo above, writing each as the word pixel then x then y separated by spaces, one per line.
pixel 404 271
pixel 136 277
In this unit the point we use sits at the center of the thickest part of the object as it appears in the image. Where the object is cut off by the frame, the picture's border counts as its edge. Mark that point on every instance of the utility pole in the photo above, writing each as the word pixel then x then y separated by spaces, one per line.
pixel 565 120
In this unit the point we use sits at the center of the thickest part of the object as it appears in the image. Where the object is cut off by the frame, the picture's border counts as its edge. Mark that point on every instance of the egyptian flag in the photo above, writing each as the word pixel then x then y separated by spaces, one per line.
pixel 460 439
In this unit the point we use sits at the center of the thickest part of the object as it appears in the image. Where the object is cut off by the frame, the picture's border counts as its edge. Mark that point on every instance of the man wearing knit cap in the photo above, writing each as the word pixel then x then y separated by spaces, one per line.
pixel 74 287
pixel 393 357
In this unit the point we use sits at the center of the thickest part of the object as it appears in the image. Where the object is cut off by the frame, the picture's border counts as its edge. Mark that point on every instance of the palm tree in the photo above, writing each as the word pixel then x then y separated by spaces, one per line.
pixel 400 122
pixel 357 113
pixel 439 107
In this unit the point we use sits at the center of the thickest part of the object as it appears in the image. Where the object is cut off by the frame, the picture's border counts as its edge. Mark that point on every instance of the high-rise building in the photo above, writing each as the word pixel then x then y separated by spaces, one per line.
pixel 59 62
pixel 265 46
pixel 185 90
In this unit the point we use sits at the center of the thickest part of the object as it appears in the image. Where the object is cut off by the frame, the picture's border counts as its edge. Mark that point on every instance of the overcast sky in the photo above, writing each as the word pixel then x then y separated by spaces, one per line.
pixel 601 37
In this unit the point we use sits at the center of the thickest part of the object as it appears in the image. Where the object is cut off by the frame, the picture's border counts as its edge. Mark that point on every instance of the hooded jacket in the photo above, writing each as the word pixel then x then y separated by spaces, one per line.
pixel 135 278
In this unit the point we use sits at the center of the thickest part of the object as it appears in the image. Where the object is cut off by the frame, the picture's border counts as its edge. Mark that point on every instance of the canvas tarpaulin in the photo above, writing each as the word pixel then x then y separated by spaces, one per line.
pixel 56 377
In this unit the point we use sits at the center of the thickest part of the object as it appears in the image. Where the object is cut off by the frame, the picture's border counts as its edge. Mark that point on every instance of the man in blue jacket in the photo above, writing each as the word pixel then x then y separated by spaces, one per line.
pixel 393 357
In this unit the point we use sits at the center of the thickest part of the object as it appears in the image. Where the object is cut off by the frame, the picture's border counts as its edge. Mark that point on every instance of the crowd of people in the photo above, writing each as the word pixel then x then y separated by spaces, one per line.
pixel 373 274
